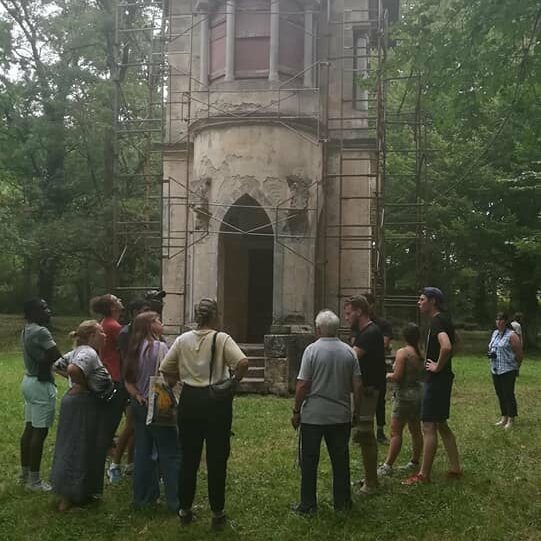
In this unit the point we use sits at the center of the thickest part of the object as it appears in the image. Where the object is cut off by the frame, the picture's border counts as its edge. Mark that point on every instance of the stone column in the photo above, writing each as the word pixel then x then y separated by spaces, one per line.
pixel 308 45
pixel 230 41
pixel 204 45
pixel 274 45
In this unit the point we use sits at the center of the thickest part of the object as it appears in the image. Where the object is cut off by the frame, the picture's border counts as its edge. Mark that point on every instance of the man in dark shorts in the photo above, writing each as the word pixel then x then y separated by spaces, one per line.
pixel 368 345
pixel 438 385
pixel 387 330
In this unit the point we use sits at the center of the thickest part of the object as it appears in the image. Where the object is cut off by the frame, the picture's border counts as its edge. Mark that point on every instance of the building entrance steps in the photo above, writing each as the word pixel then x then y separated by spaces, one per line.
pixel 254 382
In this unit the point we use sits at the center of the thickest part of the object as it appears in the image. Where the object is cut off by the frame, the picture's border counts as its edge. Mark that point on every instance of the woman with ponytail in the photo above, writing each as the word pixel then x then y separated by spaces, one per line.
pixel 145 352
pixel 407 375
pixel 81 442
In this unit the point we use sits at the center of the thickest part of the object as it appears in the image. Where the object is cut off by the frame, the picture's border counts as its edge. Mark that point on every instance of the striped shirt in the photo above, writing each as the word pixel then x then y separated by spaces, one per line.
pixel 505 360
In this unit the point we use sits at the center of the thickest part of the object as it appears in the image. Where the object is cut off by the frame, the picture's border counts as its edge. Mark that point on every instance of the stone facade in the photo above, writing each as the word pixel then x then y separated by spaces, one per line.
pixel 257 168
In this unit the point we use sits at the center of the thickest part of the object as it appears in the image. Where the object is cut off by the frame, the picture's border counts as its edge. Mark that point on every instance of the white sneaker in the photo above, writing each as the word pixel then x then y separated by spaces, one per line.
pixel 410 466
pixel 41 485
pixel 385 470
pixel 365 490
pixel 501 422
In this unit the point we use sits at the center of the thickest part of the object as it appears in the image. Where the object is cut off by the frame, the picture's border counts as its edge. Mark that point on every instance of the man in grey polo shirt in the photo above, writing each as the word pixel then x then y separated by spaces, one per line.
pixel 329 373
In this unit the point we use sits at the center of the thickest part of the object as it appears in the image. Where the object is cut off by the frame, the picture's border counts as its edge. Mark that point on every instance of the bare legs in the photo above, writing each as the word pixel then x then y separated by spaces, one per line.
pixel 397 428
pixel 32 441
pixel 430 432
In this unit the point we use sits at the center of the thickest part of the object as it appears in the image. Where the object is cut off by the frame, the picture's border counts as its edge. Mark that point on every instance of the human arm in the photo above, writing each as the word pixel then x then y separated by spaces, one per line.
pixel 357 386
pixel 135 394
pixel 241 369
pixel 516 346
pixel 61 365
pixel 302 390
pixel 303 386
pixel 399 366
pixel 169 365
pixel 77 377
pixel 446 350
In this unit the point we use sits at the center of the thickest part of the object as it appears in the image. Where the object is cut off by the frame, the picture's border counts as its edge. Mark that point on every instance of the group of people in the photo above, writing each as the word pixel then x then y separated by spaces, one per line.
pixel 339 388
pixel 338 395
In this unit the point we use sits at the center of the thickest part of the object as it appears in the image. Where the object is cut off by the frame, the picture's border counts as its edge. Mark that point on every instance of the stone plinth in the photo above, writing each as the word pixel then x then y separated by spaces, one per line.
pixel 283 354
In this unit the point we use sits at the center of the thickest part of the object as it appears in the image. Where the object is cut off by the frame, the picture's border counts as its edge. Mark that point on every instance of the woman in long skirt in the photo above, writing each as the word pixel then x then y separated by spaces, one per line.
pixel 81 440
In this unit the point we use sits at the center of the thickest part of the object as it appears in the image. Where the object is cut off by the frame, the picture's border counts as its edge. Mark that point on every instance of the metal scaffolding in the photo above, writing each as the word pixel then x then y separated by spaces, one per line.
pixel 160 101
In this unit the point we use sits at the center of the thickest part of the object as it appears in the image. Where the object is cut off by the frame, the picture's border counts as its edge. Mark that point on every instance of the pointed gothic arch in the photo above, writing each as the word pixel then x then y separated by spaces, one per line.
pixel 246 270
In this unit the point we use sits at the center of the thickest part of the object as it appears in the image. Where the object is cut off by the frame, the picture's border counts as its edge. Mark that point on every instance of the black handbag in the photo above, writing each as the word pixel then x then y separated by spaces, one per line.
pixel 222 390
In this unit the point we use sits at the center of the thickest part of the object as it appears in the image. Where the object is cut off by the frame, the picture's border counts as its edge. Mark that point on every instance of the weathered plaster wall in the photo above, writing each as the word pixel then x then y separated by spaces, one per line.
pixel 280 170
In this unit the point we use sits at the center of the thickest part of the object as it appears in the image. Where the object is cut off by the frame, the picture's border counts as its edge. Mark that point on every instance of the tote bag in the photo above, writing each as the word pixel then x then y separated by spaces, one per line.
pixel 162 399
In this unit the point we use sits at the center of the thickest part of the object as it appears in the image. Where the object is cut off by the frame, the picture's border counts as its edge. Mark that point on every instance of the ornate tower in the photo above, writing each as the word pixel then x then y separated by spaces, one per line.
pixel 271 161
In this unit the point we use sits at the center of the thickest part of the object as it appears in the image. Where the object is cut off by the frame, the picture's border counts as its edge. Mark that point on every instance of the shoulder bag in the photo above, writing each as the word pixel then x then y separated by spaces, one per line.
pixel 224 389
pixel 162 399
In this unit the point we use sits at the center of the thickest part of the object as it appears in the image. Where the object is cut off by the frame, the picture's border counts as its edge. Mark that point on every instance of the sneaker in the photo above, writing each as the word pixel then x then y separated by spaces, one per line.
pixel 501 422
pixel 365 490
pixel 218 523
pixel 454 475
pixel 416 479
pixel 304 511
pixel 410 466
pixel 385 470
pixel 39 486
pixel 382 439
pixel 508 425
pixel 186 517
pixel 115 474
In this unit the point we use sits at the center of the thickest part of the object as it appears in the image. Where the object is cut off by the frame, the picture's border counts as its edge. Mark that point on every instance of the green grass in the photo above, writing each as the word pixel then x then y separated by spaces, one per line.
pixel 499 498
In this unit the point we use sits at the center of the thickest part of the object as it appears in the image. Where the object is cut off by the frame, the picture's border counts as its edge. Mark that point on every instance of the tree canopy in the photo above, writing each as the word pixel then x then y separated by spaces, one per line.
pixel 473 65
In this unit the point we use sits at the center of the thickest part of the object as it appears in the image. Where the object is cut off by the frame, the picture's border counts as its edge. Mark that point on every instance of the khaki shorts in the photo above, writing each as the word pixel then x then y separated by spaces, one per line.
pixel 39 402
pixel 367 412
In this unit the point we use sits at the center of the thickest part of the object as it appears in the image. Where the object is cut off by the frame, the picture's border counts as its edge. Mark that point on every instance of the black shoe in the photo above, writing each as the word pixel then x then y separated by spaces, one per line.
pixel 303 510
pixel 382 438
pixel 186 518
pixel 218 523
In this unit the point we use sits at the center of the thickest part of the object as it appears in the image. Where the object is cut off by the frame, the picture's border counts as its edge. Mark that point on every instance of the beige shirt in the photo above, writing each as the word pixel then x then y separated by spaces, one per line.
pixel 189 357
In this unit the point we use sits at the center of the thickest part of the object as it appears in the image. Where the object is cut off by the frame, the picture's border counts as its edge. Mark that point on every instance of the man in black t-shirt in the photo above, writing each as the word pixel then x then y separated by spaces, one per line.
pixel 437 393
pixel 387 330
pixel 368 345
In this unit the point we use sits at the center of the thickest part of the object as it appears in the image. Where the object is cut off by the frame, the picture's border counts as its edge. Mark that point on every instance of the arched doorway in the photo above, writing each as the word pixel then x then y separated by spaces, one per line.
pixel 245 270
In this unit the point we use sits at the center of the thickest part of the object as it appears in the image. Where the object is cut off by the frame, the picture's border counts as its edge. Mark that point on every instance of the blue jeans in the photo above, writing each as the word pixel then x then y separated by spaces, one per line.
pixel 157 451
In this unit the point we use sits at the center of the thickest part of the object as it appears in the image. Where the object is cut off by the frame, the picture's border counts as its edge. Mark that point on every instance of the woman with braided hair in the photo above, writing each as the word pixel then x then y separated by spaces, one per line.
pixel 200 358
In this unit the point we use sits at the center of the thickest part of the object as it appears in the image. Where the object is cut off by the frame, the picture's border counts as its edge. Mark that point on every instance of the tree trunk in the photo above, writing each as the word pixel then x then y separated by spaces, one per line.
pixel 524 298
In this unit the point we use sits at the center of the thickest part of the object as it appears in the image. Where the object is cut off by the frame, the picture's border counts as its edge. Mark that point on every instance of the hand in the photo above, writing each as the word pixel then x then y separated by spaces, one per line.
pixel 141 399
pixel 296 420
pixel 431 366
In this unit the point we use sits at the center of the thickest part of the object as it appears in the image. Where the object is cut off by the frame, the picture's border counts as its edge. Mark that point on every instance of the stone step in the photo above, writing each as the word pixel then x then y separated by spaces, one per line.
pixel 252 385
pixel 256 361
pixel 253 350
pixel 256 372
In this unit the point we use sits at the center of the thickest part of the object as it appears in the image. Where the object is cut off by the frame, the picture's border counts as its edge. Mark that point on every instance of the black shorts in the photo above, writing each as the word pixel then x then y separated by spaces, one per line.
pixel 437 399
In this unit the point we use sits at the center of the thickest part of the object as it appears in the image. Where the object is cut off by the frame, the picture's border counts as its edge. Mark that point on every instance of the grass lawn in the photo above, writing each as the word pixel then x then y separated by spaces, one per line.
pixel 499 498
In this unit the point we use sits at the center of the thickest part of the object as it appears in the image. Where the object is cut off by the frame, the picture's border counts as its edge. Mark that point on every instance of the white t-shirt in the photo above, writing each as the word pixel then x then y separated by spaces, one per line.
pixel 189 357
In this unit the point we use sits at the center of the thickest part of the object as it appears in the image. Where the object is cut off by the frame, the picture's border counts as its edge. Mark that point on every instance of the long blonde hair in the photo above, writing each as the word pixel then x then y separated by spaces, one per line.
pixel 84 331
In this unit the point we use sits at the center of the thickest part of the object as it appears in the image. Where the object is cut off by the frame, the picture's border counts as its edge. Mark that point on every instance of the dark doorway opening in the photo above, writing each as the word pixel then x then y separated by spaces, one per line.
pixel 246 264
